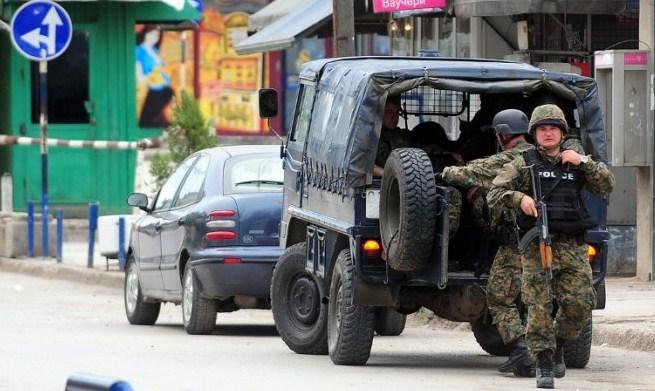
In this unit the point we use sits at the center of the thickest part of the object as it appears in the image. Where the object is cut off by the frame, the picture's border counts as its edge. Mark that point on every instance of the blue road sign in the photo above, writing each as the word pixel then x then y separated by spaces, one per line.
pixel 41 30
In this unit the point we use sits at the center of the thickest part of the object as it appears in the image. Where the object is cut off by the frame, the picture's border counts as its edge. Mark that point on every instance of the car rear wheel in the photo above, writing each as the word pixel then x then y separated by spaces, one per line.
pixel 408 206
pixel 137 310
pixel 389 322
pixel 350 326
pixel 198 313
pixel 296 300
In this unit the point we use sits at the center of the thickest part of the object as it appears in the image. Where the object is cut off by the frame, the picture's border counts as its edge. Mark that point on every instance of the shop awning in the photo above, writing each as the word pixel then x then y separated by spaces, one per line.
pixel 284 32
pixel 467 8
pixel 272 12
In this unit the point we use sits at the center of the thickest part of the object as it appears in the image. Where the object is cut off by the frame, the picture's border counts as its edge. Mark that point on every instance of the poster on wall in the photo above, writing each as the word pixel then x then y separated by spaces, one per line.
pixel 162 71
pixel 229 83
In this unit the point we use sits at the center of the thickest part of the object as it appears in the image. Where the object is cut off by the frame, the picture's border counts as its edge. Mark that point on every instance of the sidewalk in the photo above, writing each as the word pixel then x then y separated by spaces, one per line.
pixel 628 321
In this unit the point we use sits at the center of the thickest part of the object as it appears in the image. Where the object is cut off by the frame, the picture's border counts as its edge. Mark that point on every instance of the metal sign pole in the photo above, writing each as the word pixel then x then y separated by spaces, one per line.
pixel 43 96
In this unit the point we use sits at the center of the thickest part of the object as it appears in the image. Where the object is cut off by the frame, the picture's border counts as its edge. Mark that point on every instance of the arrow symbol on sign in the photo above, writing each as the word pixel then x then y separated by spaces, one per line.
pixel 34 37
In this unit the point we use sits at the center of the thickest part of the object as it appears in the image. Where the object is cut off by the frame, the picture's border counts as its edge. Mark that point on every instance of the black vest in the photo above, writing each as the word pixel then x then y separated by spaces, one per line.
pixel 560 189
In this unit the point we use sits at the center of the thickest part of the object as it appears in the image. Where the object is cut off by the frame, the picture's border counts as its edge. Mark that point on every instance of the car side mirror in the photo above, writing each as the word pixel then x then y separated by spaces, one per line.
pixel 138 200
pixel 267 103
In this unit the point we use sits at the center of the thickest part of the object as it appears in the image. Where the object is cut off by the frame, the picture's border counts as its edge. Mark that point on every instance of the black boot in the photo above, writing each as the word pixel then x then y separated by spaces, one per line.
pixel 518 355
pixel 559 367
pixel 545 369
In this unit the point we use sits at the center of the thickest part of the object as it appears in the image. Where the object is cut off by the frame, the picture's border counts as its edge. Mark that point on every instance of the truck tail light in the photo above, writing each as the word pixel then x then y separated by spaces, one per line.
pixel 372 248
pixel 592 253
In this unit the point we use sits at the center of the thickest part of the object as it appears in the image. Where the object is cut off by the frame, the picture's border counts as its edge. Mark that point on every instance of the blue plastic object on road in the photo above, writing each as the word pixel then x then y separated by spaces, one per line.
pixel 90 382
pixel 60 233
pixel 93 226
pixel 30 228
pixel 121 243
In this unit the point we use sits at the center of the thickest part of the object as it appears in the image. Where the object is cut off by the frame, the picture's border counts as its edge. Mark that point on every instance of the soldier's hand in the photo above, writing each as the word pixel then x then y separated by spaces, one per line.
pixel 528 206
pixel 570 156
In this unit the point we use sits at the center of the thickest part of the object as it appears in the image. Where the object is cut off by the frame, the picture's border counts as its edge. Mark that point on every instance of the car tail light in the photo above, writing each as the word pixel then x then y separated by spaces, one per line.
pixel 232 260
pixel 217 214
pixel 372 248
pixel 592 253
pixel 224 220
pixel 221 235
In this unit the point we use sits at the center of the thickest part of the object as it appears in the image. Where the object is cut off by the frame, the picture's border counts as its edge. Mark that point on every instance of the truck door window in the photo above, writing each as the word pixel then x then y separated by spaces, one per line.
pixel 303 113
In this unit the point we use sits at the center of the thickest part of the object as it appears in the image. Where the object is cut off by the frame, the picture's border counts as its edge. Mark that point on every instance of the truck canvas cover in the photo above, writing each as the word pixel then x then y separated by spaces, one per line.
pixel 351 94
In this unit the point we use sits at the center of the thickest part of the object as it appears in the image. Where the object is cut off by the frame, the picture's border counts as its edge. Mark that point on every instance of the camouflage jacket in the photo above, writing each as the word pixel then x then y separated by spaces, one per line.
pixel 481 172
pixel 513 181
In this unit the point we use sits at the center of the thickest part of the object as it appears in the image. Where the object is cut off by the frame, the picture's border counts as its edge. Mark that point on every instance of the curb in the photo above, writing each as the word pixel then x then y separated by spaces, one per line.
pixel 624 338
pixel 49 269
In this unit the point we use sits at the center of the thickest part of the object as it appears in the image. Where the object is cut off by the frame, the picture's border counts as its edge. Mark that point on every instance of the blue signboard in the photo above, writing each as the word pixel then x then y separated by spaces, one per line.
pixel 41 30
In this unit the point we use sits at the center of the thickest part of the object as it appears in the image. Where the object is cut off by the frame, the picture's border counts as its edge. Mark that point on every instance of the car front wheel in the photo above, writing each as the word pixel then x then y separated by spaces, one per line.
pixel 198 313
pixel 137 310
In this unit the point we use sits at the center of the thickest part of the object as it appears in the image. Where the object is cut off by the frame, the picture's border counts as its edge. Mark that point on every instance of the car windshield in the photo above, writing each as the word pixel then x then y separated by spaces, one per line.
pixel 260 173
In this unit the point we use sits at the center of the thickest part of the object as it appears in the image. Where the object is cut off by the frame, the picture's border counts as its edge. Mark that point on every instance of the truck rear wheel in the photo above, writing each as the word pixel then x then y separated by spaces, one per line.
pixel 389 322
pixel 578 351
pixel 296 300
pixel 488 337
pixel 408 205
pixel 350 326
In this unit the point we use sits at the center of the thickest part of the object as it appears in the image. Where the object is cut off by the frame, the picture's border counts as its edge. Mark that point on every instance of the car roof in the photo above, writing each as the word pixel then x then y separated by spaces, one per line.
pixel 238 150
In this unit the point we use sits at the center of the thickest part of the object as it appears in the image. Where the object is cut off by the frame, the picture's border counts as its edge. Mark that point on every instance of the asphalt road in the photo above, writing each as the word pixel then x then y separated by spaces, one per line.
pixel 50 329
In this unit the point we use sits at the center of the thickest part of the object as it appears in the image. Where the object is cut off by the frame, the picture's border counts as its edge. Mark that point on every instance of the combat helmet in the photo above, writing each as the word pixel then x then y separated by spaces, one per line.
pixel 510 122
pixel 548 115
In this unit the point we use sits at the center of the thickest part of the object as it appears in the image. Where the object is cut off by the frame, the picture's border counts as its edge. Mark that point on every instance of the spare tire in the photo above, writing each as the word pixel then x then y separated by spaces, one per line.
pixel 408 205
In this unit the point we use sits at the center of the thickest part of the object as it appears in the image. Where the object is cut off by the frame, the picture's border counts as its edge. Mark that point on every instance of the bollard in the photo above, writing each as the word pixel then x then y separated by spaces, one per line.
pixel 60 233
pixel 45 236
pixel 93 226
pixel 7 193
pixel 92 382
pixel 121 243
pixel 30 229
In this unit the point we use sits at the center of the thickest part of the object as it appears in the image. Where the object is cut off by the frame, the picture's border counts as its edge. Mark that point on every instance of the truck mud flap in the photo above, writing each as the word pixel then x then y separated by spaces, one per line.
pixel 374 295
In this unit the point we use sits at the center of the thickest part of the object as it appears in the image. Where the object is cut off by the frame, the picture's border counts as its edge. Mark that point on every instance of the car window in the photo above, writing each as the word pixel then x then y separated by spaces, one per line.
pixel 167 192
pixel 261 173
pixel 303 113
pixel 191 189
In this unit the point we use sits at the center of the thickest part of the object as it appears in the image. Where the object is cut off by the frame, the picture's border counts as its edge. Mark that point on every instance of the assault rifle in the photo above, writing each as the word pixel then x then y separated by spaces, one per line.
pixel 540 230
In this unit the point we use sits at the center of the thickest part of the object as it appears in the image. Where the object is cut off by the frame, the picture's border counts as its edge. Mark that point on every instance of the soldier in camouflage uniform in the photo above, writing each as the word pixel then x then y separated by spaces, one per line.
pixel 392 137
pixel 504 284
pixel 562 174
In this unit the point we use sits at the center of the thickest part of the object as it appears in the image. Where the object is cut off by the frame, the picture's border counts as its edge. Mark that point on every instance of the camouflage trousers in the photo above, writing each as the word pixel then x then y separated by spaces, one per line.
pixel 454 210
pixel 572 289
pixel 503 292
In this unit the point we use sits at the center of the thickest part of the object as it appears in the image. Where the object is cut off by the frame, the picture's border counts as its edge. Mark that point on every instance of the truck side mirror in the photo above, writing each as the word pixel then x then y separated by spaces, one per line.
pixel 267 103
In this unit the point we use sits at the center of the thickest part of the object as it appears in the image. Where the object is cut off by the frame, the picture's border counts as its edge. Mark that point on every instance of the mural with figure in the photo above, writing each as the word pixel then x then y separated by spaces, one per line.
pixel 154 91
pixel 225 83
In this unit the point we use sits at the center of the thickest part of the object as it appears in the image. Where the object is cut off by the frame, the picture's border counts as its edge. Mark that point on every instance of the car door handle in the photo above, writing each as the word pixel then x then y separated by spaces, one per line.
pixel 158 226
pixel 181 221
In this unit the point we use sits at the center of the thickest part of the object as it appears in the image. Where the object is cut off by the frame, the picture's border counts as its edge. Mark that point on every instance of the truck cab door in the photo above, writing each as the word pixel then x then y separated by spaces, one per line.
pixel 295 148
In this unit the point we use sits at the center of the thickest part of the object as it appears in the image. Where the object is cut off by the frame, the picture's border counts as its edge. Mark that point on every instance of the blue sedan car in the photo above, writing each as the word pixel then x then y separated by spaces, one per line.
pixel 210 238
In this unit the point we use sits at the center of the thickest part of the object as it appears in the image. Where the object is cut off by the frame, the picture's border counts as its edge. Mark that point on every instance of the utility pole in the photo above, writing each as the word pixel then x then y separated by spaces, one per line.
pixel 646 175
pixel 343 22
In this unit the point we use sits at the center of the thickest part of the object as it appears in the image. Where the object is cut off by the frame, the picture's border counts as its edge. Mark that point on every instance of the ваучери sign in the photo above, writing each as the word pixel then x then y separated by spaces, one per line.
pixel 404 5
